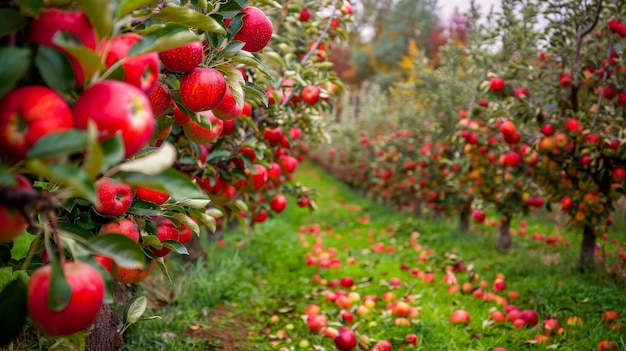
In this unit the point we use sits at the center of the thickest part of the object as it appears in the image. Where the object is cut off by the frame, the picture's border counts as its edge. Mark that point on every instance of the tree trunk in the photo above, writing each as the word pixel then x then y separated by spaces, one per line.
pixel 464 220
pixel 104 335
pixel 587 250
pixel 505 242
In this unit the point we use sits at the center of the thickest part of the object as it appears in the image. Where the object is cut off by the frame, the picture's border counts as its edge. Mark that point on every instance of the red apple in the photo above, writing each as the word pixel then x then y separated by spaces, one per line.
pixel 497 84
pixel 12 222
pixel 383 345
pixel 565 80
pixel 28 114
pixel 256 30
pixel 200 135
pixel 53 21
pixel 606 345
pixel 610 316
pixel 529 316
pixel 166 230
pixel 310 94
pixel 117 107
pixel 273 136
pixel 183 59
pixel 547 130
pixel 278 203
pixel 287 164
pixel 152 195
pixel 257 178
pixel 184 233
pixel 459 317
pixel 87 296
pixel 260 216
pixel 346 340
pixel 521 93
pixel 160 99
pixel 479 216
pixel 114 198
pixel 124 227
pixel 507 128
pixel 305 15
pixel 130 275
pixel 347 282
pixel 106 262
pixel 497 317
pixel 202 89
pixel 142 70
pixel 273 171
pixel 227 109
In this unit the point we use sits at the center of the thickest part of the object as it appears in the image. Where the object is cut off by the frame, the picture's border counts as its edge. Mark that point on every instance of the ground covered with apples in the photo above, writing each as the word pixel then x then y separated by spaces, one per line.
pixel 357 275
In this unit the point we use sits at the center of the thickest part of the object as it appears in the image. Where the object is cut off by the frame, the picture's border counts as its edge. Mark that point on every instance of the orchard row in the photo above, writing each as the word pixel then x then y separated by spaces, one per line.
pixel 129 127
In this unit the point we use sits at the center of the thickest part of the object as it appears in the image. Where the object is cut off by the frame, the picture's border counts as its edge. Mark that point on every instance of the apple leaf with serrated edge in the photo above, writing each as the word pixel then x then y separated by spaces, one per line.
pixel 122 249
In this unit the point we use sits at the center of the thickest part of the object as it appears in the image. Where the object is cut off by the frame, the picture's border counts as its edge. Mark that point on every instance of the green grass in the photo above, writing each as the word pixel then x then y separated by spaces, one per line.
pixel 261 274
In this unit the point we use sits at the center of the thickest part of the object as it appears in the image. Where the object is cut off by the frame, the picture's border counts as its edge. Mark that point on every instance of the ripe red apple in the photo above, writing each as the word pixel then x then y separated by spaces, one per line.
pixel 273 171
pixel 521 93
pixel 256 30
pixel 304 202
pixel 512 159
pixel 86 299
pixel 166 230
pixel 52 21
pixel 529 316
pixel 496 84
pixel 130 275
pixel 347 282
pixel 310 94
pixel 548 130
pixel 28 114
pixel 114 198
pixel 152 195
pixel 227 109
pixel 260 216
pixel 287 164
pixel 315 322
pixel 346 340
pixel 497 317
pixel 124 227
pixel 479 216
pixel 606 345
pixel 257 178
pixel 200 135
pixel 160 99
pixel 106 262
pixel 412 339
pixel 116 107
pixel 565 80
pixel 610 316
pixel 305 15
pixel 12 222
pixel 184 233
pixel 142 70
pixel 183 59
pixel 550 325
pixel 273 136
pixel 383 345
pixel 202 89
pixel 278 203
pixel 459 317
pixel 507 128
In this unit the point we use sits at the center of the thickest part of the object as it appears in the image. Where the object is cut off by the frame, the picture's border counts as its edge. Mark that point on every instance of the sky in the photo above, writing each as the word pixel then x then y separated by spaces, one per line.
pixel 447 6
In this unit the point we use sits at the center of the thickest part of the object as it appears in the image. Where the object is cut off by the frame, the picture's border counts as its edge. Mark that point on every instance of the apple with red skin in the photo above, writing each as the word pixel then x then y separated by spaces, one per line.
pixel 497 317
pixel 183 59
pixel 244 150
pixel 305 15
pixel 479 216
pixel 507 128
pixel 160 99
pixel 124 227
pixel 200 135
pixel 152 195
pixel 260 216
pixel 610 316
pixel 228 108
pixel 202 89
pixel 116 107
pixel 142 70
pixel 273 170
pixel 550 325
pixel 180 118
pixel 28 114
pixel 131 275
pixel 86 298
pixel 521 93
pixel 497 84
pixel 304 202
pixel 459 317
pixel 105 262
pixel 114 198
pixel 228 127
pixel 53 21
pixel 347 282
pixel 256 30
pixel 529 316
pixel 346 340
pixel 606 345
pixel 500 349
pixel 548 130
pixel 246 110
pixel 412 339
pixel 287 164
pixel 166 230
pixel 225 195
pixel 316 322
pixel 184 233
pixel 512 159
pixel 273 136
pixel 383 345
pixel 565 80
pixel 257 178
pixel 310 95
pixel 278 203
pixel 12 222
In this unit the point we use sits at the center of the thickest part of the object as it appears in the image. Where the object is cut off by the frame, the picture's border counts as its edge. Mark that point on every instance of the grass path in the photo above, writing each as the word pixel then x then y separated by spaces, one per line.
pixel 251 293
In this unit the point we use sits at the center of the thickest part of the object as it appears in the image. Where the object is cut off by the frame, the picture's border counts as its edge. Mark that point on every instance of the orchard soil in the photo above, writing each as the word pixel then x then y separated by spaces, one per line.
pixel 251 291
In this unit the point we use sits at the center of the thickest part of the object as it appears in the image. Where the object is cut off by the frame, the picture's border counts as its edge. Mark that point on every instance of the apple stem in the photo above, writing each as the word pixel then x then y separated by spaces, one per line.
pixel 314 47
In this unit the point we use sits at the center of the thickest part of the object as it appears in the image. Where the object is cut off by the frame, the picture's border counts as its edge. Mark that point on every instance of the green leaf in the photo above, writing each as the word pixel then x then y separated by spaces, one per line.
pixel 113 149
pixel 122 249
pixel 156 162
pixel 89 60
pixel 186 220
pixel 58 144
pixel 251 61
pixel 12 310
pixel 166 37
pixel 125 7
pixel 252 91
pixel 217 155
pixel 10 21
pixel 100 14
pixel 94 158
pixel 15 62
pixel 144 208
pixel 176 246
pixel 55 68
pixel 194 203
pixel 134 309
pixel 235 81
pixel 190 18
pixel 231 6
pixel 209 221
pixel 66 175
pixel 31 7
pixel 60 290
pixel 176 183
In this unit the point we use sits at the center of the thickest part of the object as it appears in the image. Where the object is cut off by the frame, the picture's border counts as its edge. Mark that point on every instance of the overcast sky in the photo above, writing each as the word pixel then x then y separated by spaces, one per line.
pixel 447 6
